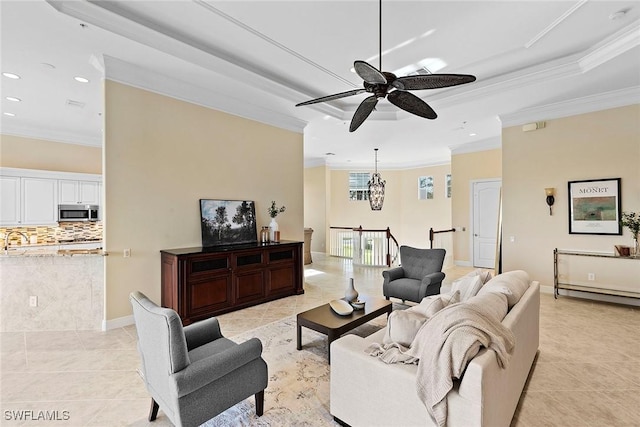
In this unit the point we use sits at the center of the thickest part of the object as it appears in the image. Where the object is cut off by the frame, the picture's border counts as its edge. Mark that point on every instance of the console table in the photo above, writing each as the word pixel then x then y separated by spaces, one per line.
pixel 202 282
pixel 599 288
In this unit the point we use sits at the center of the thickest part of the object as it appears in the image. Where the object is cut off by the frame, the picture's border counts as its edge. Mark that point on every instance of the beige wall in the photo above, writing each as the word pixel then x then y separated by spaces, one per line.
pixel 466 168
pixel 316 206
pixel 408 217
pixel 603 144
pixel 161 156
pixel 29 153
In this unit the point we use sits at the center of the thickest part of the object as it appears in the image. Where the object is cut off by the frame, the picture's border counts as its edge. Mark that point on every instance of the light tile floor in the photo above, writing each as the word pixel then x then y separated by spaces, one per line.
pixel 587 372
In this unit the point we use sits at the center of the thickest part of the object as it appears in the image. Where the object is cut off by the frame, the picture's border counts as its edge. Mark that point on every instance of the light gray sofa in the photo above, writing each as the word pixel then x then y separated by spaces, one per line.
pixel 367 392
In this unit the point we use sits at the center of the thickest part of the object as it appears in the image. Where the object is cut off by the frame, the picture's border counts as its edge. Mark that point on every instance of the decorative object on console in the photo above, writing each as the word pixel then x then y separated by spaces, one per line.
pixel 376 188
pixel 351 294
pixel 264 234
pixel 273 225
pixel 631 220
pixel 550 192
pixel 227 222
pixel 595 206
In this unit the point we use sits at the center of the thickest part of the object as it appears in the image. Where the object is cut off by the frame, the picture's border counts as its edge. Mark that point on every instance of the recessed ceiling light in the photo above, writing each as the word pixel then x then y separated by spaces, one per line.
pixel 13 98
pixel 329 154
pixel 11 76
pixel 81 79
pixel 472 134
pixel 47 65
pixel 9 114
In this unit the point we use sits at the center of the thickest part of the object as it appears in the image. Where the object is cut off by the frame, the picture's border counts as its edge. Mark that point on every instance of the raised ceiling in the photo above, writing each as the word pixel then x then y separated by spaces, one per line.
pixel 533 61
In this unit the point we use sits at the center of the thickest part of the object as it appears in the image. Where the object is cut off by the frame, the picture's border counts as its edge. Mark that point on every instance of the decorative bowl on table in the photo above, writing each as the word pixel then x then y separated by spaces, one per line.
pixel 357 304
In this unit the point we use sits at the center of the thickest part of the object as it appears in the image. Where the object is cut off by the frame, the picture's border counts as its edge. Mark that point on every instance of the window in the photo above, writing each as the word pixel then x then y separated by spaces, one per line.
pixel 425 187
pixel 448 186
pixel 358 188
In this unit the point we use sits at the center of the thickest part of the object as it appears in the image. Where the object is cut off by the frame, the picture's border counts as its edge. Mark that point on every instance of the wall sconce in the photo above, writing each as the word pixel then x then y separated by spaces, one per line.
pixel 550 192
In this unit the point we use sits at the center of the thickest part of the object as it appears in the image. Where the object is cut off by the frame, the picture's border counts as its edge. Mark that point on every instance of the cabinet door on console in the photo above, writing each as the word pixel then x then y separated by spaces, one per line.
pixel 249 277
pixel 281 271
pixel 208 285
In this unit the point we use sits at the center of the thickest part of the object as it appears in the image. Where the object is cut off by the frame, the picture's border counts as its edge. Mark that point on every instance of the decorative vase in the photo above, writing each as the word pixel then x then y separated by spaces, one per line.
pixel 351 294
pixel 636 248
pixel 273 227
pixel 264 234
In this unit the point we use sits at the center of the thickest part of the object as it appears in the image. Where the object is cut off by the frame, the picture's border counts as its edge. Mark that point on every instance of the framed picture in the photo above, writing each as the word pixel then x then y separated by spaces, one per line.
pixel 227 222
pixel 595 206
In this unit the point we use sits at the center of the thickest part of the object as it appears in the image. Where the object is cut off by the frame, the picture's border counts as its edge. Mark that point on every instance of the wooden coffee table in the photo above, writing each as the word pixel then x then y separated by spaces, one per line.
pixel 326 321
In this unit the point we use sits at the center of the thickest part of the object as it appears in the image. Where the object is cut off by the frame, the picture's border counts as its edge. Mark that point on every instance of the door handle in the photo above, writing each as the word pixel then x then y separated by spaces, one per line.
pixel 475 235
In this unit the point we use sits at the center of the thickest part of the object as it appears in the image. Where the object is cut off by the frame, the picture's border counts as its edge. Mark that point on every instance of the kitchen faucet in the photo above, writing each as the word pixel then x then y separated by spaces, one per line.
pixel 6 238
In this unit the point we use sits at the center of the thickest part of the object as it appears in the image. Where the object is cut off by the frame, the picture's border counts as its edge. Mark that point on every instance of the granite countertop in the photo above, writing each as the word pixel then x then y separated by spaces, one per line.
pixel 52 252
pixel 54 249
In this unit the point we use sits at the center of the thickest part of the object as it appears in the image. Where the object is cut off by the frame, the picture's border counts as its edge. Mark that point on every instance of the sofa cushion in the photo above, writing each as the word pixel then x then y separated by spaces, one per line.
pixel 491 304
pixel 513 284
pixel 468 286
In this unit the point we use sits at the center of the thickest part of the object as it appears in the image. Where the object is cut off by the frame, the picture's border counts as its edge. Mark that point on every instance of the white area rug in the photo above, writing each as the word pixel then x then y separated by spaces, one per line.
pixel 298 390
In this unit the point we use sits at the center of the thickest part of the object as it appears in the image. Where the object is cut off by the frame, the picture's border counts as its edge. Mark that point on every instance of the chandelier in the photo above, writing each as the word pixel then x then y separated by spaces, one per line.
pixel 376 189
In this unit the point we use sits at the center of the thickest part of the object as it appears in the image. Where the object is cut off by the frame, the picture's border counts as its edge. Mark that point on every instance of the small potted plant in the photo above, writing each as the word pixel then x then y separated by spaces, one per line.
pixel 273 210
pixel 631 220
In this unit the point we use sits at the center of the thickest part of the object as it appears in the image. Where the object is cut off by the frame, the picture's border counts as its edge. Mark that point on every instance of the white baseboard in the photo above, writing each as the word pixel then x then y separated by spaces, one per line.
pixel 119 322
pixel 546 289
pixel 463 263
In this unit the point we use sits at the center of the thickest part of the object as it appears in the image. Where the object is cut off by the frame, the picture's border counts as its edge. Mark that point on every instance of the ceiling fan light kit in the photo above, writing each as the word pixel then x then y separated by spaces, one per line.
pixel 382 84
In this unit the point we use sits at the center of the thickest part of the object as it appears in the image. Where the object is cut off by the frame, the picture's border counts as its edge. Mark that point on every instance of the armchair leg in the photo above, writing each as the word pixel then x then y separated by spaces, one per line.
pixel 260 403
pixel 153 411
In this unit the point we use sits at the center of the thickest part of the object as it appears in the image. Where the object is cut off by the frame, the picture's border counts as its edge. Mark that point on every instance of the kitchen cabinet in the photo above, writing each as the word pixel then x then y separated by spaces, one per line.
pixel 39 201
pixel 202 282
pixel 73 192
pixel 31 197
pixel 28 201
pixel 10 203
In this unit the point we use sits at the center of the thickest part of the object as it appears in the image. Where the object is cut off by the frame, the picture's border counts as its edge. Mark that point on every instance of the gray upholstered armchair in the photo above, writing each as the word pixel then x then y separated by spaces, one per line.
pixel 194 373
pixel 420 274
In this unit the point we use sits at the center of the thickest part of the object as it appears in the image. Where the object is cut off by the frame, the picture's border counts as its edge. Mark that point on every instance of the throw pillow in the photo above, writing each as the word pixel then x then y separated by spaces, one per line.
pixel 428 306
pixel 513 284
pixel 402 327
pixel 468 286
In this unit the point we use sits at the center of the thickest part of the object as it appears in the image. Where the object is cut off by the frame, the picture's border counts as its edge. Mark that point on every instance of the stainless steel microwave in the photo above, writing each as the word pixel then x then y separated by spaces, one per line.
pixel 78 213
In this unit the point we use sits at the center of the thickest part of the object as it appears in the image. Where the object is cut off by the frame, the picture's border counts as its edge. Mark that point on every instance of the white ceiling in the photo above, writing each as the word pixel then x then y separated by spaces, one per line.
pixel 534 60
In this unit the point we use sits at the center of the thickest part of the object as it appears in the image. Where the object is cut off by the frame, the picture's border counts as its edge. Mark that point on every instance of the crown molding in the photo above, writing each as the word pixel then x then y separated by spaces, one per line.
pixel 473 147
pixel 52 135
pixel 587 104
pixel 132 75
pixel 624 40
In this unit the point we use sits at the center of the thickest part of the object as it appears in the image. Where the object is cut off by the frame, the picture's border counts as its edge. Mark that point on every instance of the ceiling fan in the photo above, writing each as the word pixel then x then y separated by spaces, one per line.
pixel 383 84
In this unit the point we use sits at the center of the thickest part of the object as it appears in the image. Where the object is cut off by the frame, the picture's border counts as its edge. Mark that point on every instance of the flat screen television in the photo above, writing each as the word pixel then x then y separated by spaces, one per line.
pixel 228 222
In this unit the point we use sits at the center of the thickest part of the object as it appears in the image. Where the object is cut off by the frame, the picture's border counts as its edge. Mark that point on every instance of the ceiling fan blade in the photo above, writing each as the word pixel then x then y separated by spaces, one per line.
pixel 431 81
pixel 369 73
pixel 332 97
pixel 411 103
pixel 364 109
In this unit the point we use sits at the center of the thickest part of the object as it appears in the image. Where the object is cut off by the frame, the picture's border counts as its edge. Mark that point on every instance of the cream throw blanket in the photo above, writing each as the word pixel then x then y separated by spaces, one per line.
pixel 442 348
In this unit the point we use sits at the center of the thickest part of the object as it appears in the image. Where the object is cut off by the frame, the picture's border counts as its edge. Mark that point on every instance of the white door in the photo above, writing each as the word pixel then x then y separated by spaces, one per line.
pixel 486 205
